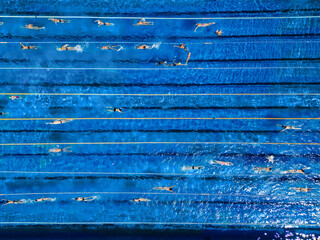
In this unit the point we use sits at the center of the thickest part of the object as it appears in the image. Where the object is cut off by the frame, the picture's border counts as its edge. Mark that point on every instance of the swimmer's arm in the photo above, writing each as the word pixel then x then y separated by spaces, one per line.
pixel 196 28
pixel 64 46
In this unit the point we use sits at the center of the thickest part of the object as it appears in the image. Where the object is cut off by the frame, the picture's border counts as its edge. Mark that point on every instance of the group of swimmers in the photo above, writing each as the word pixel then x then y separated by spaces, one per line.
pixel 100 23
pixel 79 199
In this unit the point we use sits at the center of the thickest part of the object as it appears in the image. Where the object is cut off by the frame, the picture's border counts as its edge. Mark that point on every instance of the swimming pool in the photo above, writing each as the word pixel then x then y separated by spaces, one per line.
pixel 229 103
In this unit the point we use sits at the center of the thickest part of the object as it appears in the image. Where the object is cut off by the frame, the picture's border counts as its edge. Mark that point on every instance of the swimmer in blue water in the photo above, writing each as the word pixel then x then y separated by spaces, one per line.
pixel 109 47
pixel 60 121
pixel 14 97
pixel 181 64
pixel 182 46
pixel 57 150
pixel 164 188
pixel 13 201
pixel 296 171
pixel 45 200
pixel 300 189
pixel 203 25
pixel 100 23
pixel 219 33
pixel 30 26
pixel 262 169
pixel 111 109
pixel 67 48
pixel 285 127
pixel 3 113
pixel 141 200
pixel 1 23
pixel 164 63
pixel 85 199
pixel 193 167
pixel 23 47
pixel 56 20
pixel 143 22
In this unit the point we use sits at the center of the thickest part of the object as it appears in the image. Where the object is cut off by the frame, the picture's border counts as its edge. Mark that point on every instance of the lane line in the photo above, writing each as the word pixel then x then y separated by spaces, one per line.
pixel 162 69
pixel 174 118
pixel 158 143
pixel 170 43
pixel 285 225
pixel 161 18
pixel 165 94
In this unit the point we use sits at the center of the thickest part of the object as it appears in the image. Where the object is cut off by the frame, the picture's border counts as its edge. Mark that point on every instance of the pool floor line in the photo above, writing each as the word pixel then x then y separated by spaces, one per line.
pixel 158 143
pixel 163 118
pixel 285 225
pixel 164 94
pixel 159 18
pixel 155 69
pixel 148 173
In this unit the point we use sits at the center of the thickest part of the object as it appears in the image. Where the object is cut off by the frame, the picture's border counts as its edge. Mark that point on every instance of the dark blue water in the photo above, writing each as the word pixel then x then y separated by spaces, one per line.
pixel 228 104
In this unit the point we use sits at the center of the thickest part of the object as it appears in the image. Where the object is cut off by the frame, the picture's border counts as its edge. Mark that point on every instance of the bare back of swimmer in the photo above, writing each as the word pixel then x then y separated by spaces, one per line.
pixel 60 121
pixel 164 188
pixel 203 25
pixel 56 20
pixel 57 150
pixel 100 23
pixel 143 22
pixel 296 171
pixel 30 26
pixel 141 200
pixel 111 109
pixel 264 169
pixel 13 202
pixel 23 47
pixel 45 200
pixel 85 199
pixel 285 127
pixel 300 189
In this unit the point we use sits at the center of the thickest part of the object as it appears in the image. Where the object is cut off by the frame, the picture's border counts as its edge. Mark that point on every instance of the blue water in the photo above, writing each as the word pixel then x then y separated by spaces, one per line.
pixel 269 52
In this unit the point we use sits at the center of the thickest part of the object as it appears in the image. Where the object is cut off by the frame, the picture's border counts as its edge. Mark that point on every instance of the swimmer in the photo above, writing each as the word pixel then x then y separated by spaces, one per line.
pixel 1 23
pixel 57 150
pixel 164 63
pixel 141 200
pixel 179 63
pixel 66 48
pixel 85 199
pixel 164 188
pixel 285 127
pixel 3 113
pixel 119 110
pixel 14 97
pixel 55 20
pixel 296 171
pixel 182 46
pixel 143 22
pixel 300 189
pixel 23 47
pixel 194 167
pixel 270 158
pixel 260 169
pixel 144 47
pixel 100 23
pixel 222 163
pixel 30 26
pixel 219 32
pixel 203 25
pixel 45 199
pixel 13 202
pixel 60 121
pixel 115 47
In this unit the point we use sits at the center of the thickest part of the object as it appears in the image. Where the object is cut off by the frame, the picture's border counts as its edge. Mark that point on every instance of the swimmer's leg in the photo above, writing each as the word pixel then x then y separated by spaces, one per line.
pixel 66 149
